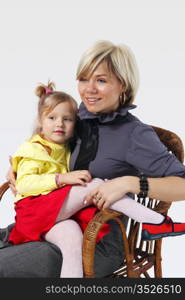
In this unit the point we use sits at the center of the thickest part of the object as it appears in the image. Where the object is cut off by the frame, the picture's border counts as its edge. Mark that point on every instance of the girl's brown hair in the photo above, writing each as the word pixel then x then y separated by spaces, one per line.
pixel 49 98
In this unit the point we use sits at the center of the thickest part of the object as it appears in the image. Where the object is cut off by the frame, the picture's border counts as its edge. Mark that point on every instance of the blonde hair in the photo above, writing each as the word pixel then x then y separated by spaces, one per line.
pixel 49 98
pixel 120 61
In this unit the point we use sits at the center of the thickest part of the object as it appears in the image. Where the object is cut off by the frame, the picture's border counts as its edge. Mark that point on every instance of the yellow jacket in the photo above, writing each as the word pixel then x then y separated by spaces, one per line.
pixel 36 161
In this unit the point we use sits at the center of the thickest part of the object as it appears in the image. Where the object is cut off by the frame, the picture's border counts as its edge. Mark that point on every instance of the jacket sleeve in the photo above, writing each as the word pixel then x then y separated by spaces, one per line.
pixel 148 155
pixel 30 180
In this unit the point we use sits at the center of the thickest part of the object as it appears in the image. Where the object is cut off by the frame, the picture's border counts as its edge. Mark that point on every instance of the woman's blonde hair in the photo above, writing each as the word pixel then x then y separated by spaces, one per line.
pixel 120 61
pixel 49 98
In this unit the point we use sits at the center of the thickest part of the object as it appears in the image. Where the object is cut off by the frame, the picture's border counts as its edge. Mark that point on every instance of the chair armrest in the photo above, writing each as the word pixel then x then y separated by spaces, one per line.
pixel 162 207
pixel 129 243
pixel 90 235
pixel 3 188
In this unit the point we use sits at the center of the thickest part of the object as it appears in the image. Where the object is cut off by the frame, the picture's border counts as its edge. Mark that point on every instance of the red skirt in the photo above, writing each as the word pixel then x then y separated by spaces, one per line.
pixel 35 215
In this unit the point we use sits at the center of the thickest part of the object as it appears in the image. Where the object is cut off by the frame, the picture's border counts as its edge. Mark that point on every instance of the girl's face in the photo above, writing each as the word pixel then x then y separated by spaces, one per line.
pixel 100 93
pixel 58 125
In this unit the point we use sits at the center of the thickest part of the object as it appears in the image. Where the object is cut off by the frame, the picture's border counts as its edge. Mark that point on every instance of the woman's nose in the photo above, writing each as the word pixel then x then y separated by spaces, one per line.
pixel 91 87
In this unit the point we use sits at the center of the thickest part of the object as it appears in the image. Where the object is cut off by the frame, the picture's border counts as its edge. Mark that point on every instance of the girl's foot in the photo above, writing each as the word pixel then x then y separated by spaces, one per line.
pixel 164 229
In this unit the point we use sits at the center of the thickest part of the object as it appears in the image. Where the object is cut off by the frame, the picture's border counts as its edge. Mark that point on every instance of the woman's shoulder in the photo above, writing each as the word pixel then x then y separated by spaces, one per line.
pixel 130 123
pixel 136 124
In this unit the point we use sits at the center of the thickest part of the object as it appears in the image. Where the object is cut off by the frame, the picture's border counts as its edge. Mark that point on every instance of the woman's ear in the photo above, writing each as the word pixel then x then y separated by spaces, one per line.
pixel 123 88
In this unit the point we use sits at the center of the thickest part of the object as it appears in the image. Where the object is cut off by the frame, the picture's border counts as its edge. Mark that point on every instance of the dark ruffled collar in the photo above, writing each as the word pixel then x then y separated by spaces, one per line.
pixel 103 118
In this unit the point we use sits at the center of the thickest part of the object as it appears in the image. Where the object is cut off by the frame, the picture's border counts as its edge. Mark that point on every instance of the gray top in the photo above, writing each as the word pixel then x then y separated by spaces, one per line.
pixel 128 146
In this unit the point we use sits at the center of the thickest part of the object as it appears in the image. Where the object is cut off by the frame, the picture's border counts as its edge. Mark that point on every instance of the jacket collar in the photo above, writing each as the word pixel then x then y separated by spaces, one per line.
pixel 103 118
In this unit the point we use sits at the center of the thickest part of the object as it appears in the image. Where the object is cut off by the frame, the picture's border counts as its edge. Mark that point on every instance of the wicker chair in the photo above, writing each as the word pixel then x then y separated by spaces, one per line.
pixel 139 256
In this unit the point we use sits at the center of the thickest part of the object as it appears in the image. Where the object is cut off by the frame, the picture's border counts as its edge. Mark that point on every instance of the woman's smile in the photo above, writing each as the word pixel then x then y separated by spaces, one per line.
pixel 92 100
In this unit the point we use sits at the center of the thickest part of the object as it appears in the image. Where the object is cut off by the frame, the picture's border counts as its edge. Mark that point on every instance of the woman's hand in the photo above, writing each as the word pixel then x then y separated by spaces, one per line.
pixel 11 178
pixel 110 191
pixel 74 177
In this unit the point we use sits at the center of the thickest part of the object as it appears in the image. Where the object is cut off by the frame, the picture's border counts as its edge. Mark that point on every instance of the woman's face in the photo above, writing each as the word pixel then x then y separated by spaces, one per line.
pixel 100 93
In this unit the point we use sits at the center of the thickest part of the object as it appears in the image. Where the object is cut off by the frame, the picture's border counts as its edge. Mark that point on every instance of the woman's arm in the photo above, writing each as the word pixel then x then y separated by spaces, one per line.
pixel 11 177
pixel 166 189
pixel 166 174
pixel 146 153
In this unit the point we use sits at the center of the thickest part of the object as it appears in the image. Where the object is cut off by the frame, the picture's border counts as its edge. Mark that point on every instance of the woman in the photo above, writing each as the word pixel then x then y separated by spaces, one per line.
pixel 115 145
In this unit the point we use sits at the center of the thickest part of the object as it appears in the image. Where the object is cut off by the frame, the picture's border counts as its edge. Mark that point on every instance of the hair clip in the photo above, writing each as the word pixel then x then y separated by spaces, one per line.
pixel 48 91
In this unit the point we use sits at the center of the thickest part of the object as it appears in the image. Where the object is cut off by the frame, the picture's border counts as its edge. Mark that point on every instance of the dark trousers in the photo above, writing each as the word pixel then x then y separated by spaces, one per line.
pixel 42 259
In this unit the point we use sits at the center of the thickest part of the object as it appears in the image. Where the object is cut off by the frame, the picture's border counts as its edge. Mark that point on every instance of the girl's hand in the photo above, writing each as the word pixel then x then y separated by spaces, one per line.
pixel 110 191
pixel 75 177
pixel 11 178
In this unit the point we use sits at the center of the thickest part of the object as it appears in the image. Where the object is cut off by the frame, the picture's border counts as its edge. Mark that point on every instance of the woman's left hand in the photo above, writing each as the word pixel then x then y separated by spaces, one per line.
pixel 109 192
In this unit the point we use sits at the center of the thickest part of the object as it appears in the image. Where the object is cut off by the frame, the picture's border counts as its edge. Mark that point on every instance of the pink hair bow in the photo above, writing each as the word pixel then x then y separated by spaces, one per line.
pixel 48 91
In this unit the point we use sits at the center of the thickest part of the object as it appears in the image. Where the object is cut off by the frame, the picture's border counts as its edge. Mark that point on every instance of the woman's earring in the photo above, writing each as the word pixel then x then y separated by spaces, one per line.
pixel 122 99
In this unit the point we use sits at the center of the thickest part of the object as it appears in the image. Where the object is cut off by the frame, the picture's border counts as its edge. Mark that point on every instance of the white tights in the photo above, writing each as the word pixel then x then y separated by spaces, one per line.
pixel 67 235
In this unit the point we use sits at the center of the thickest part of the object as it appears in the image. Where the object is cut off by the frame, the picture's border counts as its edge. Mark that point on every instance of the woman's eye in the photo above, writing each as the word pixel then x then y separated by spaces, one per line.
pixel 82 79
pixel 102 80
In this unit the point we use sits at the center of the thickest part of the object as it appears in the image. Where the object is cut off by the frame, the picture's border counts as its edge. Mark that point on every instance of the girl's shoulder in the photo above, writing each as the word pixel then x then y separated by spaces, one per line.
pixel 32 150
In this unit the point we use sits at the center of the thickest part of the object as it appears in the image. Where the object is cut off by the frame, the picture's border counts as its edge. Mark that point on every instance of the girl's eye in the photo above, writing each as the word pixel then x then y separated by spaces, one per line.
pixel 51 118
pixel 69 119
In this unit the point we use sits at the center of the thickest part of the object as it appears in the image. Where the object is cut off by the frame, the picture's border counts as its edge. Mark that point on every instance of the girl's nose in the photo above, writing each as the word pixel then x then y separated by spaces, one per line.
pixel 60 122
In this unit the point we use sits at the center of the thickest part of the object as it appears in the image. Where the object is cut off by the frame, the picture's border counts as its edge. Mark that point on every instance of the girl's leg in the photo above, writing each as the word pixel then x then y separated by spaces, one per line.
pixel 155 225
pixel 67 235
pixel 137 211
pixel 74 200
pixel 126 205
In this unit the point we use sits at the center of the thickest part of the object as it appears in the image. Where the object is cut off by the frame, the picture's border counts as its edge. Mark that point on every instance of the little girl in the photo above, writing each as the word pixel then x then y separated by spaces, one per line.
pixel 47 193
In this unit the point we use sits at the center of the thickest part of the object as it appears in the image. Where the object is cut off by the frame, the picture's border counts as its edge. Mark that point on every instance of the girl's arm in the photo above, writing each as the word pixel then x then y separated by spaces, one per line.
pixel 33 180
pixel 30 179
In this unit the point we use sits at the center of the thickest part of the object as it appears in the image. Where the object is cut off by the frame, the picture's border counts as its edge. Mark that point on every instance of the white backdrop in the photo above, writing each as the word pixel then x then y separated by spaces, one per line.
pixel 43 39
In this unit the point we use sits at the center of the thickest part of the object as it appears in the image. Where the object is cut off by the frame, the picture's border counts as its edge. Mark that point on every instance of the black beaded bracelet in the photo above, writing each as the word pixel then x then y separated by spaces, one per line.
pixel 143 186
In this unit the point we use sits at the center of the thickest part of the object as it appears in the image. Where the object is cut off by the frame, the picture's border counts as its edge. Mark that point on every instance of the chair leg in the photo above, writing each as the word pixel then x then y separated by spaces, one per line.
pixel 132 274
pixel 158 259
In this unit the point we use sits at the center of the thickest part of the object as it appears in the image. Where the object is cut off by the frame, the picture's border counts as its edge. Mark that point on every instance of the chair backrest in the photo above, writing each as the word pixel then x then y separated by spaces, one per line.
pixel 172 141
